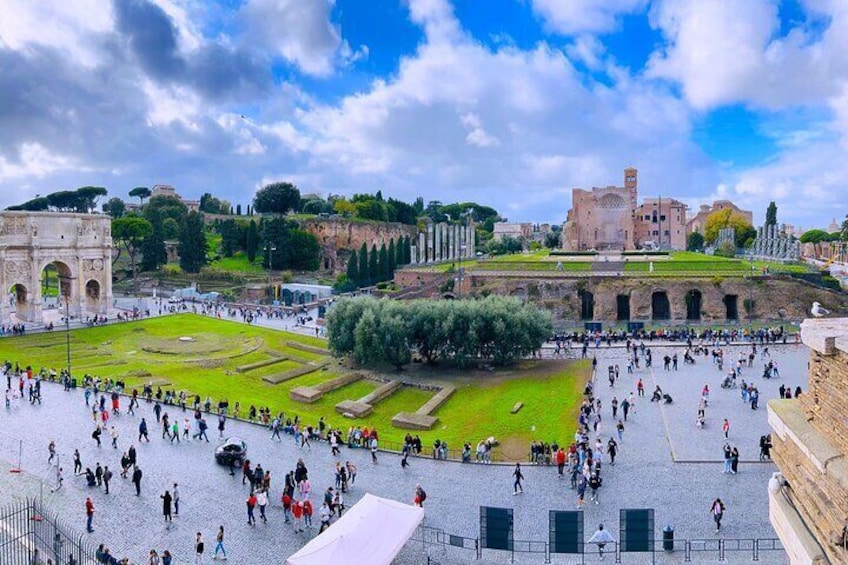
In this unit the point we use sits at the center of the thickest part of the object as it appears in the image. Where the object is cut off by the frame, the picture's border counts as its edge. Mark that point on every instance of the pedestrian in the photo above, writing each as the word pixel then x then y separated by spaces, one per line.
pixel 176 496
pixel 136 480
pixel 77 462
pixel 727 454
pixel 251 504
pixel 262 501
pixel 59 479
pixel 581 490
pixel 166 505
pixel 142 431
pixel 297 512
pixel 153 556
pixel 734 460
pixel 625 408
pixel 95 435
pixel 374 449
pixel 166 557
pixel 89 514
pixel 725 427
pixel 717 510
pixel 516 485
pixel 307 513
pixel 51 450
pixel 601 537
pixel 612 450
pixel 619 427
pixel 351 472
pixel 560 461
pixel 287 506
pixel 420 496
pixel 107 476
pixel 403 460
pixel 198 549
pixel 324 515
pixel 595 484
pixel 219 543
pixel 222 420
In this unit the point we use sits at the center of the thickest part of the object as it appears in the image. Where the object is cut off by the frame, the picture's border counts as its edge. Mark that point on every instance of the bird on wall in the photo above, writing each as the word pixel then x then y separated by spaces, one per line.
pixel 818 310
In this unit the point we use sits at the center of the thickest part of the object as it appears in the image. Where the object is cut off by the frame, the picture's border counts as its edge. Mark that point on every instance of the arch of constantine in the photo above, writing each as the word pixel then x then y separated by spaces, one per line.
pixel 79 246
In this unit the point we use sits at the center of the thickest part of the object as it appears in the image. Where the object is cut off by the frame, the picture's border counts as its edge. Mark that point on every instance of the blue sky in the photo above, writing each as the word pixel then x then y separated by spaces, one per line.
pixel 509 102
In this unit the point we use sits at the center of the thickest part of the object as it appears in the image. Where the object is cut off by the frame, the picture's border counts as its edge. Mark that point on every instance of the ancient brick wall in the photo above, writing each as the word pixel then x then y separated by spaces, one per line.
pixel 338 237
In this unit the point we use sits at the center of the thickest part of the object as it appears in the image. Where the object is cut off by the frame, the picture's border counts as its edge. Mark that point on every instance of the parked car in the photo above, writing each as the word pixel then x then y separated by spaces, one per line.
pixel 232 452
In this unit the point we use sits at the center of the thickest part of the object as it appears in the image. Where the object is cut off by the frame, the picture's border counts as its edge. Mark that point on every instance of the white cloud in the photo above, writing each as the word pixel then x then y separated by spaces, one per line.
pixel 171 104
pixel 726 52
pixel 299 31
pixel 68 25
pixel 570 17
pixel 477 135
pixel 37 161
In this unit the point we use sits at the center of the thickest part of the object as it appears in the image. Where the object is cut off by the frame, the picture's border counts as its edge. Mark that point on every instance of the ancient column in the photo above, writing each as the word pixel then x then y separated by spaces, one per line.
pixel 430 236
pixel 422 248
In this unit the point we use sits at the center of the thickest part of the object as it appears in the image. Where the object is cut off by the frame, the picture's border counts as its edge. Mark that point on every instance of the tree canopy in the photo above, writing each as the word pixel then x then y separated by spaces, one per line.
pixel 496 329
pixel 771 214
pixel 83 200
pixel 193 246
pixel 277 198
pixel 140 192
pixel 727 218
pixel 131 231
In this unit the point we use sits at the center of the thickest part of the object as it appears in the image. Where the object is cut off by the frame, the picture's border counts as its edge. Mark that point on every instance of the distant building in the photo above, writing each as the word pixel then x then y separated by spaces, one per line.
pixel 168 190
pixel 834 226
pixel 611 218
pixel 521 231
pixel 697 222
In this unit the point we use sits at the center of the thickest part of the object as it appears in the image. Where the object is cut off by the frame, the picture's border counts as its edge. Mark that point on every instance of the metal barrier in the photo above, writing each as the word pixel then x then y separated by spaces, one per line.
pixel 30 533
pixel 698 550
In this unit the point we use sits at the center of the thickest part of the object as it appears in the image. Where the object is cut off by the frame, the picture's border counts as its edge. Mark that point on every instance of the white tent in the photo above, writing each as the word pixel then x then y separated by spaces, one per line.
pixel 373 532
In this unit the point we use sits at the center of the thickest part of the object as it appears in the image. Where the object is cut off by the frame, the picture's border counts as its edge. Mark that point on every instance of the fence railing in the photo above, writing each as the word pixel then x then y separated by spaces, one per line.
pixel 32 534
pixel 429 538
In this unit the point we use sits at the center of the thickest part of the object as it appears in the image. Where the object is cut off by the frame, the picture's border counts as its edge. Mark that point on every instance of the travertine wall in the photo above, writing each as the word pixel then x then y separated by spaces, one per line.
pixel 338 237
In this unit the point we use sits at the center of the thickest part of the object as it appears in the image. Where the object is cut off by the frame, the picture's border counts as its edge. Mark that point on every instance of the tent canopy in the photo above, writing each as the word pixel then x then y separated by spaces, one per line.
pixel 373 531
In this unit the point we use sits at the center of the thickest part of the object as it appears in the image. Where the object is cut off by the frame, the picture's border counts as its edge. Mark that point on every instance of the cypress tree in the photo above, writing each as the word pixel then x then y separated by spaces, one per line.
pixel 373 265
pixel 399 252
pixel 352 270
pixel 383 266
pixel 252 242
pixel 363 265
pixel 193 244
pixel 238 209
pixel 392 258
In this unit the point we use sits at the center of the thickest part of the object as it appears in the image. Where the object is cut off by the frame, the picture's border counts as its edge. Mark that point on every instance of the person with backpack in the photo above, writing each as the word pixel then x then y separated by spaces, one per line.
pixel 717 510
pixel 420 496
pixel 198 549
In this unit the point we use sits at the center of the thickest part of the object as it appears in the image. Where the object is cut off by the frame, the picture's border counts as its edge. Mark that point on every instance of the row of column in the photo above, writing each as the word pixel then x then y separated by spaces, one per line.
pixel 443 242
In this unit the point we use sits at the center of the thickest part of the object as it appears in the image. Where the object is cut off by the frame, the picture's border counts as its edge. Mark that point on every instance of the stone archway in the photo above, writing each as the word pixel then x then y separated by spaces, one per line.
pixel 622 307
pixel 79 245
pixel 731 307
pixel 660 307
pixel 694 298
pixel 587 305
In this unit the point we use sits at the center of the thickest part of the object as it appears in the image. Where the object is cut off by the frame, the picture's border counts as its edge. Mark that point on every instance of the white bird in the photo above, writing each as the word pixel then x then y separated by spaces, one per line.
pixel 818 311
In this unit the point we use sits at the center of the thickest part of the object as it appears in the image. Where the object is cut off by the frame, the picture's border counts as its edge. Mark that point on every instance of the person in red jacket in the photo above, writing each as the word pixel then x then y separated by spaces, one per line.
pixel 89 513
pixel 287 502
pixel 560 461
pixel 251 504
pixel 297 510
pixel 307 513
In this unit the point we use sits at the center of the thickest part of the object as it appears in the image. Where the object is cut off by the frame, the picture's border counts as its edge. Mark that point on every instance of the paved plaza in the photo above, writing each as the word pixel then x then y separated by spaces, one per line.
pixel 645 476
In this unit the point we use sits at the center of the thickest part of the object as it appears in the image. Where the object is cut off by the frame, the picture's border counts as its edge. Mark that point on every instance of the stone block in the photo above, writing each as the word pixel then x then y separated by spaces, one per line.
pixel 516 408
pixel 414 421
pixel 357 408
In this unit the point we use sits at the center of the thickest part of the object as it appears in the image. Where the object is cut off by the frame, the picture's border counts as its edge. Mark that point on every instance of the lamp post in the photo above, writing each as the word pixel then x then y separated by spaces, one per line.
pixel 67 296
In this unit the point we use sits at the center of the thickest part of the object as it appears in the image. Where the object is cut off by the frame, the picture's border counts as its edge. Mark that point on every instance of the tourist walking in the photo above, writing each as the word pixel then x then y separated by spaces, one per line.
pixel 77 462
pixel 251 504
pixel 51 450
pixel 727 451
pixel 725 427
pixel 717 510
pixel 107 476
pixel 516 485
pixel 619 428
pixel 89 514
pixel 176 496
pixel 420 496
pixel 324 516
pixel 142 431
pixel 612 450
pixel 262 501
pixel 734 460
pixel 136 480
pixel 219 543
pixel 198 549
pixel 374 449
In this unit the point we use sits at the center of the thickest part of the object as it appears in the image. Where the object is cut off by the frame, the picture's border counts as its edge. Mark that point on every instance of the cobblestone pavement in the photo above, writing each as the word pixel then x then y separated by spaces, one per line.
pixel 643 477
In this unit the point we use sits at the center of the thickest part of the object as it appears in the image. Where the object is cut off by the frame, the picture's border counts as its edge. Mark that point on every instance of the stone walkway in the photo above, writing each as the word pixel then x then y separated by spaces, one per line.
pixel 644 476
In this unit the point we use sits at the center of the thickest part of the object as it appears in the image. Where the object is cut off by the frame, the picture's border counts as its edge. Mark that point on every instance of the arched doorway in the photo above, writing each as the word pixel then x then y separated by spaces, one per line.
pixel 57 286
pixel 587 305
pixel 622 307
pixel 660 308
pixel 731 307
pixel 693 304
pixel 92 295
pixel 18 301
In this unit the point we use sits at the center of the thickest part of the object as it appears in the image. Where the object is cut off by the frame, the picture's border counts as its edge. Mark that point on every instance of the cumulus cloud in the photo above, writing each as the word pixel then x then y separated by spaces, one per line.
pixel 570 17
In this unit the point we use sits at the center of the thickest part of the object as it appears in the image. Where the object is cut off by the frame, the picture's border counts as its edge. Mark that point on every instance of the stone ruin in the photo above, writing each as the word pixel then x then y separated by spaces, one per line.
pixel 443 242
pixel 772 244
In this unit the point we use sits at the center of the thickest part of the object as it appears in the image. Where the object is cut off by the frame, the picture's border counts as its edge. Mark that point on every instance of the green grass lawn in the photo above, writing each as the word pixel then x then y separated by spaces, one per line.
pixel 544 266
pixel 239 263
pixel 687 262
pixel 150 350
pixel 538 255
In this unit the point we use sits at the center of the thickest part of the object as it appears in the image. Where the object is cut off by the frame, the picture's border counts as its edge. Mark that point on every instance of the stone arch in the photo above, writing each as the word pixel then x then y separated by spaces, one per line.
pixel 622 307
pixel 78 245
pixel 731 306
pixel 19 300
pixel 587 305
pixel 694 299
pixel 92 294
pixel 660 307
